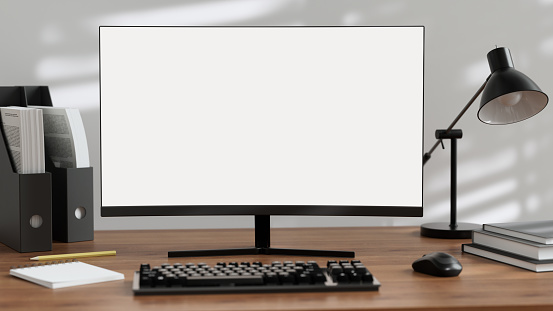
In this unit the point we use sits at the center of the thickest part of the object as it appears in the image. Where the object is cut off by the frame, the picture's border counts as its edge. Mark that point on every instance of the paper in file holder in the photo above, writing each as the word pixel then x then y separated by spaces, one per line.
pixel 62 198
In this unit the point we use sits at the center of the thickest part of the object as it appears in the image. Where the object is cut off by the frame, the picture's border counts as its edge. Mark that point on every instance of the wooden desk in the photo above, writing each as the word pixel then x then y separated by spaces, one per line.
pixel 387 251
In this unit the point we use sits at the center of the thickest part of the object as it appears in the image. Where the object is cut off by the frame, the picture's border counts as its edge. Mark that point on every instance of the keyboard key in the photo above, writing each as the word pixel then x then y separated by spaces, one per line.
pixel 271 278
pixel 354 277
pixel 336 269
pixel 319 278
pixel 330 262
pixel 367 277
pixel 342 278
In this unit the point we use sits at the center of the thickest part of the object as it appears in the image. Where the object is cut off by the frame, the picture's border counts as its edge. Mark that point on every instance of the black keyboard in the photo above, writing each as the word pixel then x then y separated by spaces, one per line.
pixel 245 277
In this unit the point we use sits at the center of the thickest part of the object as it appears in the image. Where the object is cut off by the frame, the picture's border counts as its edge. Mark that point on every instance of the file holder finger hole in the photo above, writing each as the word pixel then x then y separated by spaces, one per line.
pixel 80 212
pixel 36 221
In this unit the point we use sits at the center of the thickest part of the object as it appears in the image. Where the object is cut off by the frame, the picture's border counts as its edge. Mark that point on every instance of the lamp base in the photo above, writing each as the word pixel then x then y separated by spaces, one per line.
pixel 443 230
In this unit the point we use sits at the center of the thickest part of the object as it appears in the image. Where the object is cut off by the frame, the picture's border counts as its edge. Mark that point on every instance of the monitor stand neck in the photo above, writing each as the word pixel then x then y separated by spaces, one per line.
pixel 262 246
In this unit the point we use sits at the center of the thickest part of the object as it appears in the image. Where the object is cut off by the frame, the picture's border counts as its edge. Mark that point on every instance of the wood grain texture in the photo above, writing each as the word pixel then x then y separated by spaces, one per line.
pixel 387 251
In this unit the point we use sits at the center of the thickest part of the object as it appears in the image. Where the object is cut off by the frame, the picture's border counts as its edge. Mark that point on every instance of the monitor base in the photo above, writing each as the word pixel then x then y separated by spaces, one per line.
pixel 261 251
pixel 262 246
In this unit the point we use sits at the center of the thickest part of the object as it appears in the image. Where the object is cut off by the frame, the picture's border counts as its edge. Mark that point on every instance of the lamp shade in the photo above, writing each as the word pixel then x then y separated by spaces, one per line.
pixel 509 95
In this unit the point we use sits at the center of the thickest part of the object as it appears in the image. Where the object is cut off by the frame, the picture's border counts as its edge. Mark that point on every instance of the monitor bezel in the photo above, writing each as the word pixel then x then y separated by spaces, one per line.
pixel 276 210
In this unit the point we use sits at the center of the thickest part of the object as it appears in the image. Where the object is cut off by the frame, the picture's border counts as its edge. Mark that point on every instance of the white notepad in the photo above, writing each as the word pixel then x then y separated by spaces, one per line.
pixel 65 274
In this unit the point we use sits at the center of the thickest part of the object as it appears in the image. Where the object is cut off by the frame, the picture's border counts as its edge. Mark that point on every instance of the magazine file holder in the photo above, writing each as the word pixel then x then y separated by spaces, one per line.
pixel 23 197
pixel 72 188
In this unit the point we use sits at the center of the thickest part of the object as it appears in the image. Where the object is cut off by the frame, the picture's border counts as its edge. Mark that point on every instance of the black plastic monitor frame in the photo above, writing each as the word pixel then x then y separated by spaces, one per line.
pixel 262 213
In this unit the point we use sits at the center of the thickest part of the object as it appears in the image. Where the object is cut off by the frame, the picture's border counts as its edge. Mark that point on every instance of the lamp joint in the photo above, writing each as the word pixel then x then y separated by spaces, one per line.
pixel 449 134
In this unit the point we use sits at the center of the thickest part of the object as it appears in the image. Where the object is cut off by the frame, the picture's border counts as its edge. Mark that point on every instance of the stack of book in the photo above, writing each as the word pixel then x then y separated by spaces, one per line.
pixel 527 245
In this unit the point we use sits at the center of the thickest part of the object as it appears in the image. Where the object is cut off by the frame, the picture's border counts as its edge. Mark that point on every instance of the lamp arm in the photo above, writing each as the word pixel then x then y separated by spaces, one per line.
pixel 427 155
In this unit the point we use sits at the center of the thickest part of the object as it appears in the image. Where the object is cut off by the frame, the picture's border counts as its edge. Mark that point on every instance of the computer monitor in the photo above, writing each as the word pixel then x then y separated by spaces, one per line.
pixel 261 121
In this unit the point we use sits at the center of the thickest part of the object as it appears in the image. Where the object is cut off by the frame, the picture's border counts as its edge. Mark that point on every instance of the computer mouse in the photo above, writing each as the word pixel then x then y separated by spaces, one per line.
pixel 438 264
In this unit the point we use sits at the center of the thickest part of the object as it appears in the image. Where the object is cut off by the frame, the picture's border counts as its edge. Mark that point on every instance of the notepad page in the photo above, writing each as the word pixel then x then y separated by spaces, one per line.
pixel 66 274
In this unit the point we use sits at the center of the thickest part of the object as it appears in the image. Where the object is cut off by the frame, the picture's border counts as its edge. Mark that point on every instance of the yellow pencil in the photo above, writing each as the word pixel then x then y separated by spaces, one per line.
pixel 76 255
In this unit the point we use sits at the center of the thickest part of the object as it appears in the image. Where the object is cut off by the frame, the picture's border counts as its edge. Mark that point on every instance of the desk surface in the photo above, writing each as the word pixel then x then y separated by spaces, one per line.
pixel 387 251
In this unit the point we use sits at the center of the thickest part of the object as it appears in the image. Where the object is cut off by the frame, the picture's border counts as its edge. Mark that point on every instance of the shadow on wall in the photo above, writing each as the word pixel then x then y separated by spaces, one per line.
pixel 503 170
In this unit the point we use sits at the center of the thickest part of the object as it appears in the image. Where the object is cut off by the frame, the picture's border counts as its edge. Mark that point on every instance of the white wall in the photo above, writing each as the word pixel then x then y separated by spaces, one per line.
pixel 503 172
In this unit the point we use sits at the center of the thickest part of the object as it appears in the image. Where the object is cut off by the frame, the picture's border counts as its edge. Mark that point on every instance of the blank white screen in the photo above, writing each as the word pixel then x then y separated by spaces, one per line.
pixel 261 116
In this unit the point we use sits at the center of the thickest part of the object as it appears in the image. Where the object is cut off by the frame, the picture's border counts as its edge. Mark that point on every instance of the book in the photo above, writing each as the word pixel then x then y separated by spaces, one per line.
pixel 64 274
pixel 537 231
pixel 509 258
pixel 514 245
pixel 65 137
pixel 23 129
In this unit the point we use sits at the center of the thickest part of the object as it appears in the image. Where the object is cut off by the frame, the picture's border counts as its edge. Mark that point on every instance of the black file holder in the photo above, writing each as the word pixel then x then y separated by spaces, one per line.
pixel 23 196
pixel 69 188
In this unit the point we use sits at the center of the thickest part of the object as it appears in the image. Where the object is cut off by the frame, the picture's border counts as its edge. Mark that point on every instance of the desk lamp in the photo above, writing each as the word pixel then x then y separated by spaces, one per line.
pixel 508 96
